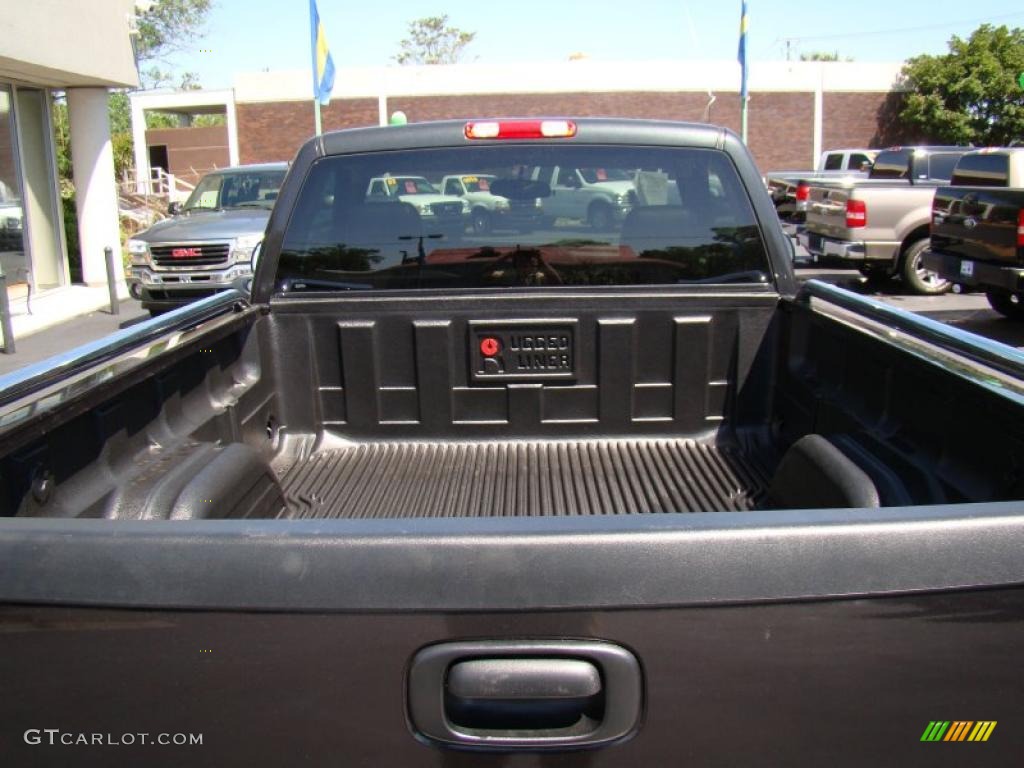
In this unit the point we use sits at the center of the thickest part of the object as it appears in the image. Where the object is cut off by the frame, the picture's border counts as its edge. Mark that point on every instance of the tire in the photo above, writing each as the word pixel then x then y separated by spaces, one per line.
pixel 481 221
pixel 916 277
pixel 1007 304
pixel 599 216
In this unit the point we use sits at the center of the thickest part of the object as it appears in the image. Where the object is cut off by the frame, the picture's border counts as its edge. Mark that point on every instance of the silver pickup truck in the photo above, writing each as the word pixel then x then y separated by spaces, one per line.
pixel 880 224
pixel 209 243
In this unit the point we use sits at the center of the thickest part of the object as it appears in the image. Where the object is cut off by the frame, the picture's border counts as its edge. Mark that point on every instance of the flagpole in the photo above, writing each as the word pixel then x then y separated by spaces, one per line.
pixel 320 127
pixel 742 56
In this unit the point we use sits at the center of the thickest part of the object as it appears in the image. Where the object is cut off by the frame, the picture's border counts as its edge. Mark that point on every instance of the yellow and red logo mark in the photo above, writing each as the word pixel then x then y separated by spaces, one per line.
pixel 958 730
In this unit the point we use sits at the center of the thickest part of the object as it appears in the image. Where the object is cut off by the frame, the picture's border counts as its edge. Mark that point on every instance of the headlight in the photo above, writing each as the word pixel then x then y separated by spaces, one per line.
pixel 244 246
pixel 424 209
pixel 538 203
pixel 466 207
pixel 138 250
pixel 501 205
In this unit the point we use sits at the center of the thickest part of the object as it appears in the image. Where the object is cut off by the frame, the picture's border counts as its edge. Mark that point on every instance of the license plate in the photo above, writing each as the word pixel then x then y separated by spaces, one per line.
pixel 966 269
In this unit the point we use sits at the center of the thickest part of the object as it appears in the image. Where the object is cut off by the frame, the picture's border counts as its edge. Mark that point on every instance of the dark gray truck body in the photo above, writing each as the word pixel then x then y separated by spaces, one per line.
pixel 262 522
pixel 977 235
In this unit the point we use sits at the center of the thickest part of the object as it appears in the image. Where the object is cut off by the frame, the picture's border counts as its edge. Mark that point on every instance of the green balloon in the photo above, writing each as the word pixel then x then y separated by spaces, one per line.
pixel 1020 80
pixel 398 118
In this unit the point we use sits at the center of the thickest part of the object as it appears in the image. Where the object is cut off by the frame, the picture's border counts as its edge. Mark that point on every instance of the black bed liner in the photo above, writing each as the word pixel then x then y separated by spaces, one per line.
pixel 522 478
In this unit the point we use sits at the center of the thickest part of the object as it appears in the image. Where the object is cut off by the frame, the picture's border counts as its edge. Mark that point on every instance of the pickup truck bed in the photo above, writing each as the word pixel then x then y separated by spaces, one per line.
pixel 634 472
pixel 508 478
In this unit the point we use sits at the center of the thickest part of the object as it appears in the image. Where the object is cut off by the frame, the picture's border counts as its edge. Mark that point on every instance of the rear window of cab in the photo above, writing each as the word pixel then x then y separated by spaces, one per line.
pixel 630 216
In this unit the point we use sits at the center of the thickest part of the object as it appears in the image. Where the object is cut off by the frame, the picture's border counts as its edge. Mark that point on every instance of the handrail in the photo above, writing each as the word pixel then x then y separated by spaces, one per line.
pixel 995 355
pixel 33 378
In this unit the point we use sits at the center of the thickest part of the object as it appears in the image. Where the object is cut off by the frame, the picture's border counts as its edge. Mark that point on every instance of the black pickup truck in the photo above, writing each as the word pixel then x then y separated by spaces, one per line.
pixel 559 498
pixel 977 235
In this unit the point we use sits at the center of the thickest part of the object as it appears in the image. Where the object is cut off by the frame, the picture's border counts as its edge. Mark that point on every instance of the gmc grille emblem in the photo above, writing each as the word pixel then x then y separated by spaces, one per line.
pixel 186 253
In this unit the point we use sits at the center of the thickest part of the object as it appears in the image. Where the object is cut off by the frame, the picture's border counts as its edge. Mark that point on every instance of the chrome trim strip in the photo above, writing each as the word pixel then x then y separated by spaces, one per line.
pixel 60 368
pixel 993 354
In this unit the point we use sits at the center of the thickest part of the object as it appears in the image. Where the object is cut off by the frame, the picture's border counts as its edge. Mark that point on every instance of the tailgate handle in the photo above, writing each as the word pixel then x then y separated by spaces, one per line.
pixel 509 695
pixel 524 693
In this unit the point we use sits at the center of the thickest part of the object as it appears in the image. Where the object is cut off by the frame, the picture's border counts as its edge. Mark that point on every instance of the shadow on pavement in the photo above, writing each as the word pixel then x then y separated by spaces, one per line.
pixel 134 321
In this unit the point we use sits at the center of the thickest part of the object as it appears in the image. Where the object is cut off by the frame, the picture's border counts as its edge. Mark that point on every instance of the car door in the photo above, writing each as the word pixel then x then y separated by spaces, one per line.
pixel 567 197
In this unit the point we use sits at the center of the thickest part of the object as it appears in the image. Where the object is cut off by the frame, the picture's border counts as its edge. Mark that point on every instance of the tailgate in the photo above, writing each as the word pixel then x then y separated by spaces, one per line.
pixel 826 212
pixel 754 635
pixel 978 224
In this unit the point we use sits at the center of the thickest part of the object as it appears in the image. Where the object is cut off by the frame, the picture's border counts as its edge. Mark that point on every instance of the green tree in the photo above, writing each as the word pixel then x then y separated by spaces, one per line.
pixel 166 28
pixel 970 95
pixel 432 41
pixel 823 56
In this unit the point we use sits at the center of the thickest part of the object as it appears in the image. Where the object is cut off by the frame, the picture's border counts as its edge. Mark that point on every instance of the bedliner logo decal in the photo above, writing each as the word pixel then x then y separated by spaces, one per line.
pixel 526 352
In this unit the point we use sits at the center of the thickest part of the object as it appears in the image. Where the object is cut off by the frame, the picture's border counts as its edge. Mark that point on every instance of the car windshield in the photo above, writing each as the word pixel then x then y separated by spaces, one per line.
pixel 410 185
pixel 683 217
pixel 477 183
pixel 595 175
pixel 248 189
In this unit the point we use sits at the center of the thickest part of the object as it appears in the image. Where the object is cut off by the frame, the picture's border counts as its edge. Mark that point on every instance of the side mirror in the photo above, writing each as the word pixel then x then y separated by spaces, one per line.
pixel 174 208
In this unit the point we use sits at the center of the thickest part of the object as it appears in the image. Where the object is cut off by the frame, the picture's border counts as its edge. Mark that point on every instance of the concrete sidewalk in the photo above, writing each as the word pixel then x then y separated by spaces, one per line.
pixel 49 338
pixel 58 306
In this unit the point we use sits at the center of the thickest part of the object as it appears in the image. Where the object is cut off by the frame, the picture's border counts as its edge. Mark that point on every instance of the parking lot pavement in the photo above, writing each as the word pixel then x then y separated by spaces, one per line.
pixel 969 311
pixel 68 335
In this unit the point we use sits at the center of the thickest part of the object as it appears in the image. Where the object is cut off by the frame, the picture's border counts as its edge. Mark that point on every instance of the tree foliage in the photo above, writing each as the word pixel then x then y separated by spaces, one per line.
pixel 432 41
pixel 823 56
pixel 168 27
pixel 970 95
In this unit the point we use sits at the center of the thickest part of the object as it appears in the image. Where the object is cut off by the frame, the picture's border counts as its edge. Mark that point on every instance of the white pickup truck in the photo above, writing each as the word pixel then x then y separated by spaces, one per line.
pixel 489 211
pixel 600 196
pixel 445 213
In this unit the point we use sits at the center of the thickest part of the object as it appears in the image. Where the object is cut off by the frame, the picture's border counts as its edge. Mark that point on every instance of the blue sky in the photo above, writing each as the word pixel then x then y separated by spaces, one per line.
pixel 252 35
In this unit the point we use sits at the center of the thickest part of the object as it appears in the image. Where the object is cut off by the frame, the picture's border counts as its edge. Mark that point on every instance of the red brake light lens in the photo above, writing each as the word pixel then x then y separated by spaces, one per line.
pixel 520 129
pixel 856 214
pixel 1020 228
pixel 803 192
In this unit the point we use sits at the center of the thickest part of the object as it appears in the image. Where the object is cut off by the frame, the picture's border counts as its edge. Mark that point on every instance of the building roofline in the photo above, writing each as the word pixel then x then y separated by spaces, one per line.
pixel 587 76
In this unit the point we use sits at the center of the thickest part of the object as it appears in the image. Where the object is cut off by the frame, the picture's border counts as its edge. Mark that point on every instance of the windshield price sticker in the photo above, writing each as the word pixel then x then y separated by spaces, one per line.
pixel 967 269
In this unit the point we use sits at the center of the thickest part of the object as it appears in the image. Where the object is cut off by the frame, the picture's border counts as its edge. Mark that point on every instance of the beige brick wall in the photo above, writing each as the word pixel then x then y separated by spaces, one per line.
pixel 780 130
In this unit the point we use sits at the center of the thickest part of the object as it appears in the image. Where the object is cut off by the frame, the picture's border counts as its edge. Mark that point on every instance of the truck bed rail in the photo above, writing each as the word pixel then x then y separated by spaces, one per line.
pixel 992 354
pixel 33 378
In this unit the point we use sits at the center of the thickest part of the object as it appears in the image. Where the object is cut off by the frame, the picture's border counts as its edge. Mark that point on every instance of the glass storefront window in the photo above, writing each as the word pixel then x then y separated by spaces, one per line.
pixel 40 195
pixel 12 219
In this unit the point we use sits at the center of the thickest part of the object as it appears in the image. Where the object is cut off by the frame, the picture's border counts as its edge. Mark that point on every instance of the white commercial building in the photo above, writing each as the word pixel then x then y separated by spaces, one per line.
pixel 81 48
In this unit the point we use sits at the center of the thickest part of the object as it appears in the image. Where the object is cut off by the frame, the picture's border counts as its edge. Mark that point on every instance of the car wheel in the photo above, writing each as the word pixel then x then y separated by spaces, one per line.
pixel 481 221
pixel 1007 304
pixel 600 216
pixel 917 278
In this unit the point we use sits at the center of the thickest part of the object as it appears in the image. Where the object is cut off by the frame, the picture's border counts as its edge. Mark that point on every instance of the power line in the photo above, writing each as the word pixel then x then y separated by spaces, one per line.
pixel 944 25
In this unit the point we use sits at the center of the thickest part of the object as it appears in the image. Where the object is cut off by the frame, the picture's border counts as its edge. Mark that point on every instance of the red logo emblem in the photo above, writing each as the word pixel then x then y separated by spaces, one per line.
pixel 186 253
pixel 490 346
